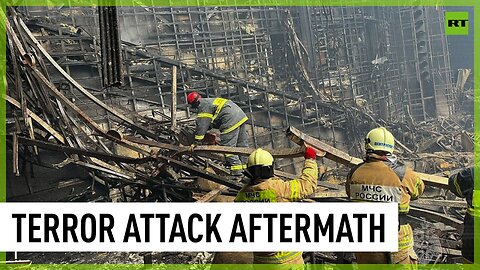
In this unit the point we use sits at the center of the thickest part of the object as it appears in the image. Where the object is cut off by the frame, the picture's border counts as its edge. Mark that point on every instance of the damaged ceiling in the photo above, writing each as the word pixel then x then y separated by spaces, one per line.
pixel 108 128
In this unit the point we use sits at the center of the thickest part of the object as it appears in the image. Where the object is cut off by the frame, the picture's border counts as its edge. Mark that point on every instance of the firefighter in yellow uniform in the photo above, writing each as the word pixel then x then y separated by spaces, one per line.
pixel 382 178
pixel 264 187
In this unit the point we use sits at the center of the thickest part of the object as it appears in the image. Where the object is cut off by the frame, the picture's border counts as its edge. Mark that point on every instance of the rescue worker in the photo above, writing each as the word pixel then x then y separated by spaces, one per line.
pixel 382 178
pixel 229 118
pixel 264 187
pixel 461 184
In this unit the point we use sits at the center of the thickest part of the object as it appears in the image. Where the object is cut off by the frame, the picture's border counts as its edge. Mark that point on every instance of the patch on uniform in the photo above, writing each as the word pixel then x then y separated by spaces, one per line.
pixel 257 196
pixel 375 193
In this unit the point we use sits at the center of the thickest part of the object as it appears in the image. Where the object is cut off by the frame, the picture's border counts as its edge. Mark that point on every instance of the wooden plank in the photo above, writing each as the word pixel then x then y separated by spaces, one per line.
pixel 339 156
pixel 442 203
pixel 431 215
pixel 434 180
pixel 211 195
pixel 329 194
pixel 330 152
pixel 244 151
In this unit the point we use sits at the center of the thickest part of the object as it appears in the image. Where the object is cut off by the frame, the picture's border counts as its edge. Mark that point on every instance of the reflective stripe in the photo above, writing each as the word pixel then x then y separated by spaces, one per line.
pixel 219 102
pixel 417 184
pixel 407 240
pixel 457 186
pixel 199 137
pixel 244 166
pixel 238 167
pixel 403 208
pixel 229 155
pixel 375 193
pixel 294 187
pixel 205 115
pixel 277 257
pixel 257 196
pixel 232 128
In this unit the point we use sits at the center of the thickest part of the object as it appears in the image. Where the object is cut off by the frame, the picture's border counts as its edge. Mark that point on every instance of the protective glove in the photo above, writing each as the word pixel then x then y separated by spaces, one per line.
pixel 191 147
pixel 211 139
pixel 310 153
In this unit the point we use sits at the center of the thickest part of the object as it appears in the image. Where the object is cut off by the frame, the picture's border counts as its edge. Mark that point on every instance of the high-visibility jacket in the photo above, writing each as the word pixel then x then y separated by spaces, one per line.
pixel 219 113
pixel 462 185
pixel 277 190
pixel 379 180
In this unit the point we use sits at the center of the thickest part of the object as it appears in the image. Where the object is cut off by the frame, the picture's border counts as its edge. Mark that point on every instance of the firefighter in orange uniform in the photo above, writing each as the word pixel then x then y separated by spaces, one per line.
pixel 265 187
pixel 394 182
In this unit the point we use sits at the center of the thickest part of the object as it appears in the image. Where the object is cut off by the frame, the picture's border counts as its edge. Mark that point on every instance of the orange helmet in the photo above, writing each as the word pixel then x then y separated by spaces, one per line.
pixel 193 98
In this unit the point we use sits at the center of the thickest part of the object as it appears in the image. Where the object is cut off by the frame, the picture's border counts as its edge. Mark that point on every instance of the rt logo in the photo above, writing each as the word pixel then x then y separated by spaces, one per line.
pixel 456 23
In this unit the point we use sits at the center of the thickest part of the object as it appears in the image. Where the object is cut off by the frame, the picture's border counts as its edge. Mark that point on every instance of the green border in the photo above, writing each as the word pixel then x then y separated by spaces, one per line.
pixel 476 122
pixel 236 267
pixel 3 90
pixel 242 2
pixel 474 3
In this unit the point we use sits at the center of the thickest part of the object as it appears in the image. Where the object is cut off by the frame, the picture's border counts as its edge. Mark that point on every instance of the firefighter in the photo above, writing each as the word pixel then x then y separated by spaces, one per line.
pixel 264 187
pixel 229 118
pixel 461 184
pixel 391 181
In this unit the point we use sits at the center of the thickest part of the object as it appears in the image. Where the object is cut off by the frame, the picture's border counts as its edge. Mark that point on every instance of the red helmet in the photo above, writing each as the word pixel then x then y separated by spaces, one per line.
pixel 193 97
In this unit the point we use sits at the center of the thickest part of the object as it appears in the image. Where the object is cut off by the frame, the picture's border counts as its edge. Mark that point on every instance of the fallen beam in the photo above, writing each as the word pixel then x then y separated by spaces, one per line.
pixel 243 151
pixel 440 203
pixel 200 172
pixel 78 151
pixel 63 99
pixel 212 195
pixel 324 194
pixel 434 180
pixel 37 119
pixel 341 157
pixel 331 152
pixel 124 120
pixel 431 215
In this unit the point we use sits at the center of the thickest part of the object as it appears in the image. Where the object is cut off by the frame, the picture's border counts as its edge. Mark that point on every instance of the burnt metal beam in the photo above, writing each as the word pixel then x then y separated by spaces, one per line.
pixel 200 172
pixel 78 151
pixel 111 51
pixel 124 120
pixel 37 119
pixel 431 215
pixel 244 151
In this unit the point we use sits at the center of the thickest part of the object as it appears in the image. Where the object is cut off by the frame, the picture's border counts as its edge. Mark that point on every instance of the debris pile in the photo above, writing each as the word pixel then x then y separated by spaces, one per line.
pixel 138 156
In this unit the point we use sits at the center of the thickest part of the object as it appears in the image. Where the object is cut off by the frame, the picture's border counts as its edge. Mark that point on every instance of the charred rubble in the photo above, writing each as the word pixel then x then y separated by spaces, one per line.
pixel 96 104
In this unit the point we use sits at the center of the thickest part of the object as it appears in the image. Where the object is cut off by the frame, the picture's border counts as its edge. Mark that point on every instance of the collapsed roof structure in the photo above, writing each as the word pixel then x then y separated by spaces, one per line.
pixel 102 92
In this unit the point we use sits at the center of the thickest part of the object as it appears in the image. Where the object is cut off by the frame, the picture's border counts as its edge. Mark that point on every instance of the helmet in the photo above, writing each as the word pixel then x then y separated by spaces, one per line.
pixel 379 139
pixel 193 98
pixel 260 164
